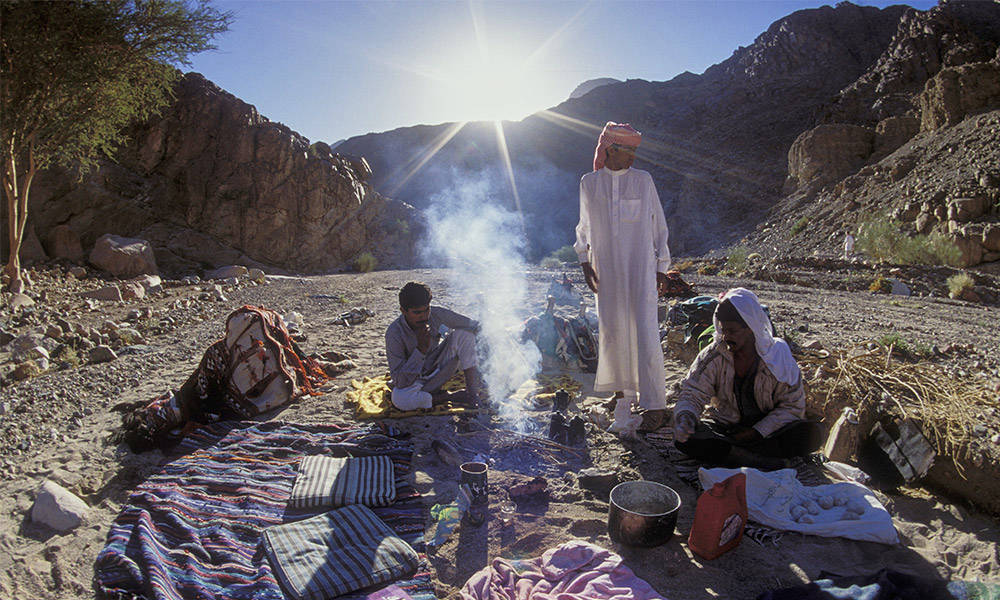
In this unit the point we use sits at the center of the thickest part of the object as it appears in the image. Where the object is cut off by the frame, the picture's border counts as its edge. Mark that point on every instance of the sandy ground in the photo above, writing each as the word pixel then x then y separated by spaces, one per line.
pixel 938 536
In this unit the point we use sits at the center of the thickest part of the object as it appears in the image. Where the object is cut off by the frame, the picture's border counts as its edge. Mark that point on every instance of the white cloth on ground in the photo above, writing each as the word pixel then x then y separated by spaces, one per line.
pixel 626 423
pixel 623 234
pixel 411 398
pixel 771 495
pixel 773 351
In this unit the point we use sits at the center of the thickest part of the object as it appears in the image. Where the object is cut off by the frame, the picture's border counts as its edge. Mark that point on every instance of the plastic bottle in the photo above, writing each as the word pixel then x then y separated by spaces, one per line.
pixel 719 518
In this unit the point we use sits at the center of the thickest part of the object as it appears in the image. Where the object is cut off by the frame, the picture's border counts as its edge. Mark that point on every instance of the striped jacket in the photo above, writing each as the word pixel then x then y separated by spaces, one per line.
pixel 709 382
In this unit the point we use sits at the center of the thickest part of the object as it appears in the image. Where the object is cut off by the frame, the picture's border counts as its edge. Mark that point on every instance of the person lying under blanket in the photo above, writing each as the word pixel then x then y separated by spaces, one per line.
pixel 425 346
pixel 255 368
pixel 752 388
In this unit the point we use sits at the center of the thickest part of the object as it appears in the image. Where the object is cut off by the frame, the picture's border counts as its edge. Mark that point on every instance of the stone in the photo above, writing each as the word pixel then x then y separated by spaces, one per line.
pixel 123 257
pixel 969 247
pixel 191 280
pixel 964 210
pixel 899 288
pixel 26 341
pixel 890 134
pixel 227 272
pixel 829 152
pixel 597 480
pixel 54 331
pixel 257 276
pixel 152 284
pixel 130 336
pixel 132 290
pixel 18 301
pixel 924 223
pixel 63 242
pixel 32 353
pixel 78 272
pixel 58 508
pixel 956 92
pixel 991 237
pixel 102 354
pixel 110 293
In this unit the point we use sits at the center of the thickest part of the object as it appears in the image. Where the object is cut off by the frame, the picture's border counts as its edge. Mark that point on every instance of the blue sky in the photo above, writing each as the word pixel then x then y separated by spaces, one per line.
pixel 335 69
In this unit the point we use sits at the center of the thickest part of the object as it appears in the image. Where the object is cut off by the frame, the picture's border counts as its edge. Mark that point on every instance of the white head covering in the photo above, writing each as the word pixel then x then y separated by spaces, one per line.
pixel 773 351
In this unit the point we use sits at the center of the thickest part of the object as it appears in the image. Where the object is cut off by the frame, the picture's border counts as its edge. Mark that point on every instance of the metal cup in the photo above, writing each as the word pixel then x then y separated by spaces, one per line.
pixel 474 475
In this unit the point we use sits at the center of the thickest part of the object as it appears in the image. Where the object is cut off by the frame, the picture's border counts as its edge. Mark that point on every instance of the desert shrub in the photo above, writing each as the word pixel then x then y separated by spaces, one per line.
pixel 365 263
pixel 882 238
pixel 67 354
pixel 958 283
pixel 799 226
pixel 737 259
pixel 565 254
pixel 880 285
pixel 898 343
pixel 708 269
pixel 551 262
pixel 683 265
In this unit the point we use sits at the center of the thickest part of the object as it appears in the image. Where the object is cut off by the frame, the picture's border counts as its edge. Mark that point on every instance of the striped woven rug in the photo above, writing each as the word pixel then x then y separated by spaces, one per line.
pixel 192 529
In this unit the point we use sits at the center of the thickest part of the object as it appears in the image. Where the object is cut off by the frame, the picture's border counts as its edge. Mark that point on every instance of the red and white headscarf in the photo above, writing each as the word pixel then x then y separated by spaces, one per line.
pixel 615 133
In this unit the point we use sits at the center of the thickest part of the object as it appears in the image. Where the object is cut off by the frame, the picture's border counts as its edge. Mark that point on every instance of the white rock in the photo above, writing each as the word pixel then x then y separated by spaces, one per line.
pixel 58 508
pixel 227 272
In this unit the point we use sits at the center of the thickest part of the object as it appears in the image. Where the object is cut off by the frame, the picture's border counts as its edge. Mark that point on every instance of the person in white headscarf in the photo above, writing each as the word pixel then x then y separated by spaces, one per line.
pixel 749 387
pixel 621 241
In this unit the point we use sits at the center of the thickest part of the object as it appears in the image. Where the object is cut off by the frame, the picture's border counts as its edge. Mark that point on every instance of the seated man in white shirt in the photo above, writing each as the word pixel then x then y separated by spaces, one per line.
pixel 425 346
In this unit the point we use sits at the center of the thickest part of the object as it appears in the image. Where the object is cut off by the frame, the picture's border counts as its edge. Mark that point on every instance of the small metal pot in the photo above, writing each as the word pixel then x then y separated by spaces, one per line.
pixel 643 513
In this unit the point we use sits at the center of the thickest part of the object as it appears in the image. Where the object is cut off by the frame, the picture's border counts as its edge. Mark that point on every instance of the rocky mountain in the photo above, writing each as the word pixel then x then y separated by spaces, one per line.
pixel 213 182
pixel 717 144
pixel 591 84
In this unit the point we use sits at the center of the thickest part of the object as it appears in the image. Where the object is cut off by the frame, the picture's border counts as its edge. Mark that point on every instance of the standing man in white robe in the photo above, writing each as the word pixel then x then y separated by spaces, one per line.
pixel 621 241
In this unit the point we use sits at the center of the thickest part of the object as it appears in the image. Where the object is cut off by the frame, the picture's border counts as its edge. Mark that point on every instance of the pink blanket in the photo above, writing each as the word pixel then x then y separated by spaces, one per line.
pixel 575 570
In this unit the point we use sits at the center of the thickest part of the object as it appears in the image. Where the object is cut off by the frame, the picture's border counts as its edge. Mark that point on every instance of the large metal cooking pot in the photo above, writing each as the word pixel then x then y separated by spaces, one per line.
pixel 643 513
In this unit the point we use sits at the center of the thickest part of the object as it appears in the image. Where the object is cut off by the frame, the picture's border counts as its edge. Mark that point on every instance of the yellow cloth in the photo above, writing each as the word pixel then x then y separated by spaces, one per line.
pixel 372 395
pixel 550 383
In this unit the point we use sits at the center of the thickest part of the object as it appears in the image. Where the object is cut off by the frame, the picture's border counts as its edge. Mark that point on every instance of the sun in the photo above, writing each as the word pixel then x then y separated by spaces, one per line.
pixel 497 86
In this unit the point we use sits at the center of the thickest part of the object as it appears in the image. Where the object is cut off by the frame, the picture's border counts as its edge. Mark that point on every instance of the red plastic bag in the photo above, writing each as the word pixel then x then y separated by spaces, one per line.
pixel 719 518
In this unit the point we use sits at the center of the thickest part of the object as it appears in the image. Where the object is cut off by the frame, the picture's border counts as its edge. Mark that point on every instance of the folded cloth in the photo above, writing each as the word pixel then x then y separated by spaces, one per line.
pixel 372 395
pixel 575 570
pixel 336 553
pixel 328 482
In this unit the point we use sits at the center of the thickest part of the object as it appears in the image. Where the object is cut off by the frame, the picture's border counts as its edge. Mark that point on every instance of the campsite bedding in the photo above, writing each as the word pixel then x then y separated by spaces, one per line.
pixel 193 529
pixel 773 496
pixel 576 570
pixel 335 553
pixel 371 395
pixel 330 482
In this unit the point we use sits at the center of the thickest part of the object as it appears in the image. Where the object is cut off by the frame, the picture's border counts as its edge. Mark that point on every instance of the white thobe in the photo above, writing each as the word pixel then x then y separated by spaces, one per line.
pixel 623 234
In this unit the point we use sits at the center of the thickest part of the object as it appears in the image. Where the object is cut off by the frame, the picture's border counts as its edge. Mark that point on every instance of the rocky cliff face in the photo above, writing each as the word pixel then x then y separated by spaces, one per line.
pixel 913 140
pixel 213 182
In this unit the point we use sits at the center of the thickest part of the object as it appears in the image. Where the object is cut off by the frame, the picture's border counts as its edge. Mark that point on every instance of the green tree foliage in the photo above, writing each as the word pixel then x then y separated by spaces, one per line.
pixel 75 73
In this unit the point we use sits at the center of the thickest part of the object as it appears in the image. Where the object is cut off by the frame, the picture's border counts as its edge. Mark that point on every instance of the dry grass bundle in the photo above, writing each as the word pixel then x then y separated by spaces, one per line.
pixel 948 408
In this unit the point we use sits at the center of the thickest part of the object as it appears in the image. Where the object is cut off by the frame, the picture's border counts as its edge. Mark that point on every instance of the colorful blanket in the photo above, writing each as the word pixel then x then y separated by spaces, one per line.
pixel 575 570
pixel 372 395
pixel 193 529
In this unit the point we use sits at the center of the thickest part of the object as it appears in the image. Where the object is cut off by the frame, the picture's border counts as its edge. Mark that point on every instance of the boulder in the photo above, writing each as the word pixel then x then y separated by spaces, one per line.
pixel 924 222
pixel 227 272
pixel 964 210
pixel 32 353
pixel 26 341
pixel 957 92
pixel 102 354
pixel 152 284
pixel 257 276
pixel 893 132
pixel 109 292
pixel 78 272
pixel 830 152
pixel 991 237
pixel 123 257
pixel 20 301
pixel 63 242
pixel 58 508
pixel 970 247
pixel 32 250
pixel 899 288
pixel 132 290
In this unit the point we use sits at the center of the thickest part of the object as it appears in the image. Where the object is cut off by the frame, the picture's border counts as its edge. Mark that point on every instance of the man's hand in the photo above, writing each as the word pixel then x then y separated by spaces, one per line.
pixel 745 435
pixel 661 284
pixel 590 276
pixel 684 425
pixel 423 332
